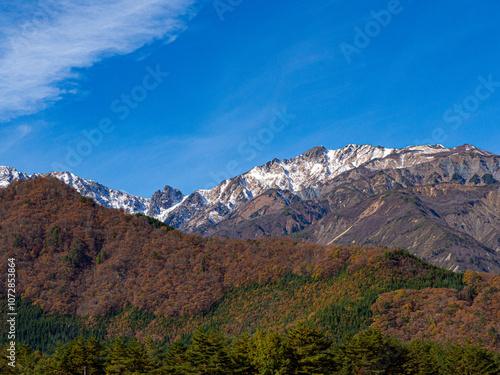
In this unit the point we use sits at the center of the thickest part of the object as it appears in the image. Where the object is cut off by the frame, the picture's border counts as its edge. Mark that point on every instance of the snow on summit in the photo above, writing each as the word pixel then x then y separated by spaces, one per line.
pixel 301 173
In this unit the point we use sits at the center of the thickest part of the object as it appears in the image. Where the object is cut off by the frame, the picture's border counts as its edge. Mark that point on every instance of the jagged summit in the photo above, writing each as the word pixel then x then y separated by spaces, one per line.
pixel 164 200
pixel 301 175
pixel 315 152
pixel 441 204
pixel 9 174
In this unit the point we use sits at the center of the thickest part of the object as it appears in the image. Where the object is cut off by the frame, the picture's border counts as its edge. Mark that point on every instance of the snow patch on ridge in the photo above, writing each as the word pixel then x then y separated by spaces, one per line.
pixel 302 173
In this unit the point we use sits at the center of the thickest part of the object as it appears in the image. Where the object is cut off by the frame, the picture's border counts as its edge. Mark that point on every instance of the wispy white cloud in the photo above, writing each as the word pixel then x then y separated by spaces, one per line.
pixel 38 56
pixel 10 136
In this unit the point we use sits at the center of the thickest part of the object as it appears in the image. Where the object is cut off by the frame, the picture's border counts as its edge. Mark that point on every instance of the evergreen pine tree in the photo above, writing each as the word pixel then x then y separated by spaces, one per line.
pixel 371 352
pixel 139 360
pixel 470 359
pixel 73 358
pixel 208 354
pixel 310 350
pixel 175 361
pixel 118 358
pixel 423 358
pixel 272 355
pixel 241 355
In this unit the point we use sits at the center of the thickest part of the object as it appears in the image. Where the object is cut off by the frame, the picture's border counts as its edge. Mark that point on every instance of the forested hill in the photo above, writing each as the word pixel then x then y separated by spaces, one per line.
pixel 119 274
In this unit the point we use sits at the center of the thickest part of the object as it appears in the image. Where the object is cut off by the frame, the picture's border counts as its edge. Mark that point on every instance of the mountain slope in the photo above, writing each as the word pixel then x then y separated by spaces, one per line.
pixel 445 211
pixel 441 314
pixel 302 175
pixel 339 196
pixel 131 275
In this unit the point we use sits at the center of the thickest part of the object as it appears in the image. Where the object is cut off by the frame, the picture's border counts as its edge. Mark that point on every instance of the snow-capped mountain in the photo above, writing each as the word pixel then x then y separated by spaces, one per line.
pixel 100 193
pixel 7 175
pixel 302 175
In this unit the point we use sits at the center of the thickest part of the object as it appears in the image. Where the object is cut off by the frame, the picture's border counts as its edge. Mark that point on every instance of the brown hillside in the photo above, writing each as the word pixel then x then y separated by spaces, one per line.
pixel 442 314
pixel 79 258
pixel 76 257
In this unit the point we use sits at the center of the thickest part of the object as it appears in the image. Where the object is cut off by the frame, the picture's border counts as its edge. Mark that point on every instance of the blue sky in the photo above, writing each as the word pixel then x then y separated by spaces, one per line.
pixel 138 95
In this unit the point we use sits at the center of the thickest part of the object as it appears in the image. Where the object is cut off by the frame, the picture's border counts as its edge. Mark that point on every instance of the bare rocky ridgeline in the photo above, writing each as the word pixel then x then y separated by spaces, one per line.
pixel 441 204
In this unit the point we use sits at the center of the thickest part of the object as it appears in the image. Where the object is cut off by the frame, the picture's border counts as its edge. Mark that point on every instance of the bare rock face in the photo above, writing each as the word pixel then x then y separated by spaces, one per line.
pixel 445 208
pixel 304 175
pixel 163 200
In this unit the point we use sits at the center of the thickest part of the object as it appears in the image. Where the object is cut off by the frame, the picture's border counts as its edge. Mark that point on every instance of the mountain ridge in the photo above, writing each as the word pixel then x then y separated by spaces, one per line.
pixel 453 210
pixel 316 196
pixel 167 203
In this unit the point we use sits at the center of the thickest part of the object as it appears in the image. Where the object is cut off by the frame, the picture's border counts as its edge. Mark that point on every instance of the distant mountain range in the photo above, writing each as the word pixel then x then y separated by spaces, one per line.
pixel 441 204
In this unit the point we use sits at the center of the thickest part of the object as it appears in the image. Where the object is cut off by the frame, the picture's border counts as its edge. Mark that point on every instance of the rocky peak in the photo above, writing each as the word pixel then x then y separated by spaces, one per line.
pixel 315 153
pixel 163 200
pixel 302 175
pixel 8 174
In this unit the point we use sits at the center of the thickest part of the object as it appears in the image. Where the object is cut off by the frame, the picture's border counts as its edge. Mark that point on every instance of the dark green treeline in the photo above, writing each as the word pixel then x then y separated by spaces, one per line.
pixel 304 350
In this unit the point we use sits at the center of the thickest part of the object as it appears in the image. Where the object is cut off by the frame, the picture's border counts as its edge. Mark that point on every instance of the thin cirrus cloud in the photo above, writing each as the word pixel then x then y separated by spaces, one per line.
pixel 12 135
pixel 39 54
